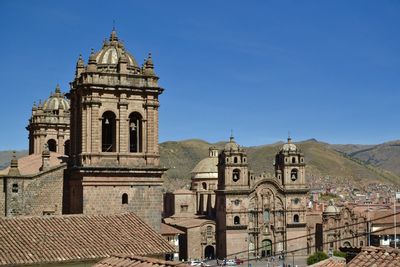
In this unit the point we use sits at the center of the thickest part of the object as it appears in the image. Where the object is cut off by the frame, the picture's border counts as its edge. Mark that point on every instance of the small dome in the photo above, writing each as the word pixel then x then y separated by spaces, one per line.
pixel 331 208
pixel 289 146
pixel 112 51
pixel 206 168
pixel 56 101
pixel 231 145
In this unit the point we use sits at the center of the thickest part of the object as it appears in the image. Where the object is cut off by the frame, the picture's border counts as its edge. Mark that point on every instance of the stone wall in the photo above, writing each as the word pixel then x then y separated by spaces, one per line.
pixel 144 200
pixel 36 195
pixel 2 198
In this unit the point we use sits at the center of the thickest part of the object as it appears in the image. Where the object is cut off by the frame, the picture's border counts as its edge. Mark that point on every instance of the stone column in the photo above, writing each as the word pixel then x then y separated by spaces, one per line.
pixel 95 129
pixel 123 124
pixel 60 143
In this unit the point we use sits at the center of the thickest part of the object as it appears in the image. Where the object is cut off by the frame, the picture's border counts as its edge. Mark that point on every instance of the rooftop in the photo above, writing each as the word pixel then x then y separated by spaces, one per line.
pixel 68 238
pixel 126 260
pixel 376 257
pixel 31 164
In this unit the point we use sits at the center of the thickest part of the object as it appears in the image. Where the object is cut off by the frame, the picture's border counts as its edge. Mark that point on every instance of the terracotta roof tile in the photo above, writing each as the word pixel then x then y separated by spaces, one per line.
pixel 31 164
pixel 376 256
pixel 128 260
pixel 66 238
pixel 331 262
pixel 169 230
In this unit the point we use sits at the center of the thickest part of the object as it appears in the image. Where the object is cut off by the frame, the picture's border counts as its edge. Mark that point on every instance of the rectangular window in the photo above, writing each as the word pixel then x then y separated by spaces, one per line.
pixel 14 188
pixel 184 208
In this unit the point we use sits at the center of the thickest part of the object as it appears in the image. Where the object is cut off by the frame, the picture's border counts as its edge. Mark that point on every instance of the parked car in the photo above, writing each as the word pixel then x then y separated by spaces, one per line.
pixel 238 261
pixel 231 262
pixel 198 263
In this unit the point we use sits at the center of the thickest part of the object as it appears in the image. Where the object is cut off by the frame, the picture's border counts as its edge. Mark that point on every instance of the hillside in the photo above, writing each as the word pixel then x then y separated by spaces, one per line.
pixel 354 164
pixel 321 158
pixel 385 156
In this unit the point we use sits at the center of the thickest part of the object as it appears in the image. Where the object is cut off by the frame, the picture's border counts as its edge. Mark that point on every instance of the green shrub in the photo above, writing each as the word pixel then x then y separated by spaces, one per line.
pixel 316 257
pixel 338 253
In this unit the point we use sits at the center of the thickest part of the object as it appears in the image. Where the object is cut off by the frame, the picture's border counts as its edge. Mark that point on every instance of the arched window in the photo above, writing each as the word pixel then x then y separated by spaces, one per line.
pixel 361 243
pixel 209 230
pixel 236 175
pixel 293 160
pixel 235 160
pixel 266 216
pixel 204 185
pixel 236 220
pixel 296 218
pixel 293 174
pixel 135 132
pixel 52 145
pixel 124 198
pixel 67 147
pixel 108 130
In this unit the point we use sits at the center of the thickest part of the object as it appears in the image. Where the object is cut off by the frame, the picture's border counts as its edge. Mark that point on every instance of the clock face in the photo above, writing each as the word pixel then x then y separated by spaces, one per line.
pixel 237 202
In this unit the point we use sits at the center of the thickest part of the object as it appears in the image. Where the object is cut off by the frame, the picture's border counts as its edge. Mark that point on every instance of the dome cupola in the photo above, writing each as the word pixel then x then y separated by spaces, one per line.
pixel 56 101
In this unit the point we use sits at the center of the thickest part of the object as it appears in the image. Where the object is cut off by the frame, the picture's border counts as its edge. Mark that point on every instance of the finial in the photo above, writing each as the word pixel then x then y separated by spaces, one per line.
pixel 113 36
pixel 91 51
pixel 58 89
pixel 231 137
pixel 289 139
pixel 34 104
pixel 14 165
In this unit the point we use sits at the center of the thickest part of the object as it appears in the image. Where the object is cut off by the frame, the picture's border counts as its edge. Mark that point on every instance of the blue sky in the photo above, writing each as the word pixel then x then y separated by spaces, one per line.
pixel 320 69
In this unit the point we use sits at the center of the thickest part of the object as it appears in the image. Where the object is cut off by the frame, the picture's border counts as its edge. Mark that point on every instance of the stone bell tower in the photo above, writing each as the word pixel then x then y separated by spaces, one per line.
pixel 114 163
pixel 232 201
pixel 290 172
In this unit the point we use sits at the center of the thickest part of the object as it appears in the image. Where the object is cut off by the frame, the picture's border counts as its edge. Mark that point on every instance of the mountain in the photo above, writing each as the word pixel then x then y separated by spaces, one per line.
pixel 326 163
pixel 323 160
pixel 385 156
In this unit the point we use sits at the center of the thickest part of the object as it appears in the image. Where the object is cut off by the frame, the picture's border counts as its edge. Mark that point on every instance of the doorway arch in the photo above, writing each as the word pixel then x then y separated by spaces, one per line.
pixel 52 145
pixel 209 252
pixel 266 250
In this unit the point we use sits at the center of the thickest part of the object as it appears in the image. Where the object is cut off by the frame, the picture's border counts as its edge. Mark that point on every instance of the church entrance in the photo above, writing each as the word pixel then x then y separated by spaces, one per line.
pixel 209 252
pixel 266 250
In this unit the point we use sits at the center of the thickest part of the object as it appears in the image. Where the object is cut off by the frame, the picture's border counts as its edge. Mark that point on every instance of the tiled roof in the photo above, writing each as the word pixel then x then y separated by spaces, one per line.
pixel 125 261
pixel 376 257
pixel 331 262
pixel 34 240
pixel 188 222
pixel 169 230
pixel 31 164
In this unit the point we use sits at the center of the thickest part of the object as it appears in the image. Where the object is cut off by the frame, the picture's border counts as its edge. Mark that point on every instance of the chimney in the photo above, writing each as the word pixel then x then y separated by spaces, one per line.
pixel 14 171
pixel 45 158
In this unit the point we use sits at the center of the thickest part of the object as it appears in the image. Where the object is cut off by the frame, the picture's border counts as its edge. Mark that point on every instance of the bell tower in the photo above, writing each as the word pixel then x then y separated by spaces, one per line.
pixel 290 166
pixel 290 172
pixel 232 201
pixel 114 162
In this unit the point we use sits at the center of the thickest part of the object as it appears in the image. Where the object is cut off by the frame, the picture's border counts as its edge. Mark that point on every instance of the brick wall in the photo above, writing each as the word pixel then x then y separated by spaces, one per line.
pixel 145 201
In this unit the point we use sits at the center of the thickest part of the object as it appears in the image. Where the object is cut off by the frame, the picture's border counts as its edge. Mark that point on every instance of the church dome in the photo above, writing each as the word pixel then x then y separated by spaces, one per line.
pixel 206 168
pixel 113 51
pixel 331 209
pixel 289 146
pixel 56 101
pixel 231 145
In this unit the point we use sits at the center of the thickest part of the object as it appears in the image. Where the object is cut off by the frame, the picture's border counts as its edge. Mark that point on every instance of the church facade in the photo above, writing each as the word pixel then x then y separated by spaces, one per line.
pixel 246 215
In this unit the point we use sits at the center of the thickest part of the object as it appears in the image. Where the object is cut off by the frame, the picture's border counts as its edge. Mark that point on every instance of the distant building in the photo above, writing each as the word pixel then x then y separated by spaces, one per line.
pixel 229 212
pixel 50 124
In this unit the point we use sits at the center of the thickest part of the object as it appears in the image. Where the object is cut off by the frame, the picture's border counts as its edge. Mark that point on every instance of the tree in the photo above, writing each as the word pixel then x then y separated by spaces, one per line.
pixel 316 257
